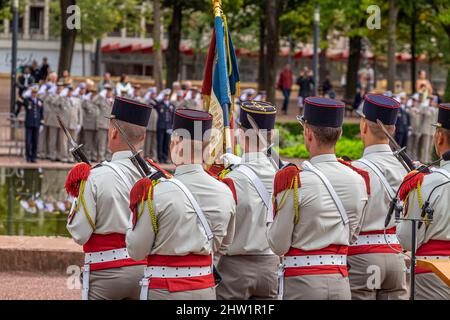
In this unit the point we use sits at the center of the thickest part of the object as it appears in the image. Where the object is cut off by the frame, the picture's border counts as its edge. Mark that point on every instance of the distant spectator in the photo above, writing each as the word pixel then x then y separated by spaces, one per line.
pixel 26 80
pixel 44 69
pixel 327 87
pixel 106 80
pixel 165 111
pixel 305 86
pixel 66 78
pixel 123 86
pixel 423 85
pixel 35 71
pixel 402 124
pixel 370 78
pixel 360 93
pixel 285 85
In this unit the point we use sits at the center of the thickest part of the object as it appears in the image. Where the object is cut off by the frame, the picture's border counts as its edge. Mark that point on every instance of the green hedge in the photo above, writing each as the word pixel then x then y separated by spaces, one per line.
pixel 292 146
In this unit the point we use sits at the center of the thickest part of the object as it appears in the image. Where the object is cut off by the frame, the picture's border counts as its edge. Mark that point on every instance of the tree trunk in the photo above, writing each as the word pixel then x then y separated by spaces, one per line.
pixel 323 60
pixel 198 41
pixel 413 47
pixel 392 44
pixel 353 63
pixel 273 11
pixel 83 60
pixel 173 52
pixel 67 41
pixel 97 57
pixel 262 52
pixel 447 86
pixel 157 49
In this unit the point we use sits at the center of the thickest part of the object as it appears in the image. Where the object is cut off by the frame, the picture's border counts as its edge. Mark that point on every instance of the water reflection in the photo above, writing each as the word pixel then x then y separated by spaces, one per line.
pixel 33 202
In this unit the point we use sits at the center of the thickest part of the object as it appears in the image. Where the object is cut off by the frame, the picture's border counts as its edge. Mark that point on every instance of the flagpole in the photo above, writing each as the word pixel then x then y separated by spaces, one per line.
pixel 217 7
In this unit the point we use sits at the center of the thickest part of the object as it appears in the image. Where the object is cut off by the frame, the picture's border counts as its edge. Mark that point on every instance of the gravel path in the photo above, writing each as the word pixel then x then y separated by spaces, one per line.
pixel 32 286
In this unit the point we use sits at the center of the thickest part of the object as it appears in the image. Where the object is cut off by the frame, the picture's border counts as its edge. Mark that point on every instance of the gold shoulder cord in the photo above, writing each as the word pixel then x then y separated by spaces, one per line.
pixel 150 207
pixel 294 186
pixel 83 202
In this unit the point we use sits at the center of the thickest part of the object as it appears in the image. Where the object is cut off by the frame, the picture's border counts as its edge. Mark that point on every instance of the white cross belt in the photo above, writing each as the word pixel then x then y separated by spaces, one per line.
pixel 106 256
pixel 315 260
pixel 176 272
pixel 374 239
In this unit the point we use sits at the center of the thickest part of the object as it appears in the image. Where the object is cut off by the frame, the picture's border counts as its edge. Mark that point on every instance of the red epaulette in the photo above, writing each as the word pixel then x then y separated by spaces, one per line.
pixel 228 181
pixel 77 174
pixel 284 180
pixel 139 194
pixel 361 172
pixel 409 183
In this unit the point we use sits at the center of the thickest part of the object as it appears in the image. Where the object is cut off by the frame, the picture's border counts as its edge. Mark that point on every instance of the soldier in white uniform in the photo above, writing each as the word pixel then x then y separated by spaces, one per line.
pixel 428 116
pixel 100 219
pixel 71 115
pixel 416 122
pixel 249 269
pixel 151 143
pixel 54 131
pixel 104 105
pixel 46 93
pixel 90 114
pixel 386 173
pixel 433 238
pixel 318 210
pixel 185 221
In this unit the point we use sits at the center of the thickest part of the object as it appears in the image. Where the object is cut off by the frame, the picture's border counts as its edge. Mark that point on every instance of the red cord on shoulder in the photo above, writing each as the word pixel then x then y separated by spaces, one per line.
pixel 410 183
pixel 139 193
pixel 284 179
pixel 77 174
pixel 361 172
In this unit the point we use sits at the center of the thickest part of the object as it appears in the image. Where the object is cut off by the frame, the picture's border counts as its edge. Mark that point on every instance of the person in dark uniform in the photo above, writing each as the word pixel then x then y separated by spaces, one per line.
pixel 402 124
pixel 165 110
pixel 34 116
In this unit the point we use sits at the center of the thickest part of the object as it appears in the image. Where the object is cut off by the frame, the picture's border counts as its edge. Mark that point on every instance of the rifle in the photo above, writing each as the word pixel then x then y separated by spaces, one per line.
pixel 76 149
pixel 270 153
pixel 137 160
pixel 399 152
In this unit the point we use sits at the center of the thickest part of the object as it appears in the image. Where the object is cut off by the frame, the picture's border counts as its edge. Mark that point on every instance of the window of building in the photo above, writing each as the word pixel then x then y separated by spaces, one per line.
pixel 36 20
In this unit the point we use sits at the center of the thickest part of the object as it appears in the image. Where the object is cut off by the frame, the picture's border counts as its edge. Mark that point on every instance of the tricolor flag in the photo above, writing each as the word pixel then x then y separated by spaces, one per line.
pixel 220 84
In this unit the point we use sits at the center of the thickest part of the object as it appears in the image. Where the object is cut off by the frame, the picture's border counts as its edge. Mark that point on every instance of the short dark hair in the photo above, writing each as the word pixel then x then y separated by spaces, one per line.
pixel 375 129
pixel 327 136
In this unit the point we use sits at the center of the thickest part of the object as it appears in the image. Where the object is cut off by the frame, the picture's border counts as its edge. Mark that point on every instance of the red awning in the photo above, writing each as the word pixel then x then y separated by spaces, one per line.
pixel 304 53
pixel 110 47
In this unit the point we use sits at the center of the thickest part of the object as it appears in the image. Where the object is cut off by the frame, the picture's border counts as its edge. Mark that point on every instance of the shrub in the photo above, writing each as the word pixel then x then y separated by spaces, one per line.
pixel 292 144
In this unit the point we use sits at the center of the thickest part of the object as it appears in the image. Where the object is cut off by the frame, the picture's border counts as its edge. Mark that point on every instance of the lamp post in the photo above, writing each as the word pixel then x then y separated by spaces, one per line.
pixel 15 28
pixel 316 48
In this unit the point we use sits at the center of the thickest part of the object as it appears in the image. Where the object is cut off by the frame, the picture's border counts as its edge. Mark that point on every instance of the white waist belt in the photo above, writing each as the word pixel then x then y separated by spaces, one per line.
pixel 106 256
pixel 373 239
pixel 176 272
pixel 315 260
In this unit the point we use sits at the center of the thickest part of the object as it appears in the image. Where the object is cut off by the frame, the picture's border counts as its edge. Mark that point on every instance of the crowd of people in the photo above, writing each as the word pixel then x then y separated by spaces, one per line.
pixel 83 109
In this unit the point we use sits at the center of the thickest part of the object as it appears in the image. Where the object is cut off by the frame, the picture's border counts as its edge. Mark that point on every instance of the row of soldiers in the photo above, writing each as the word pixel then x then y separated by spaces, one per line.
pixel 258 231
pixel 83 110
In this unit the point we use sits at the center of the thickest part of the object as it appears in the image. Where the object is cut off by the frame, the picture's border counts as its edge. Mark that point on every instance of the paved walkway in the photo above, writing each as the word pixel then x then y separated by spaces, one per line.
pixel 35 286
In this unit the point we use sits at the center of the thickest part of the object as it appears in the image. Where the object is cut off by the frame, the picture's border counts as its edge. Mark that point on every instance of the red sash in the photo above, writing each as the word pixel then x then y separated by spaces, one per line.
pixel 105 242
pixel 375 248
pixel 315 270
pixel 181 284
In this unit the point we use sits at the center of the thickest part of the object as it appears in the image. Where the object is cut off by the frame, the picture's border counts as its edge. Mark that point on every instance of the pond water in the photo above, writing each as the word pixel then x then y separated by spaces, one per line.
pixel 33 202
